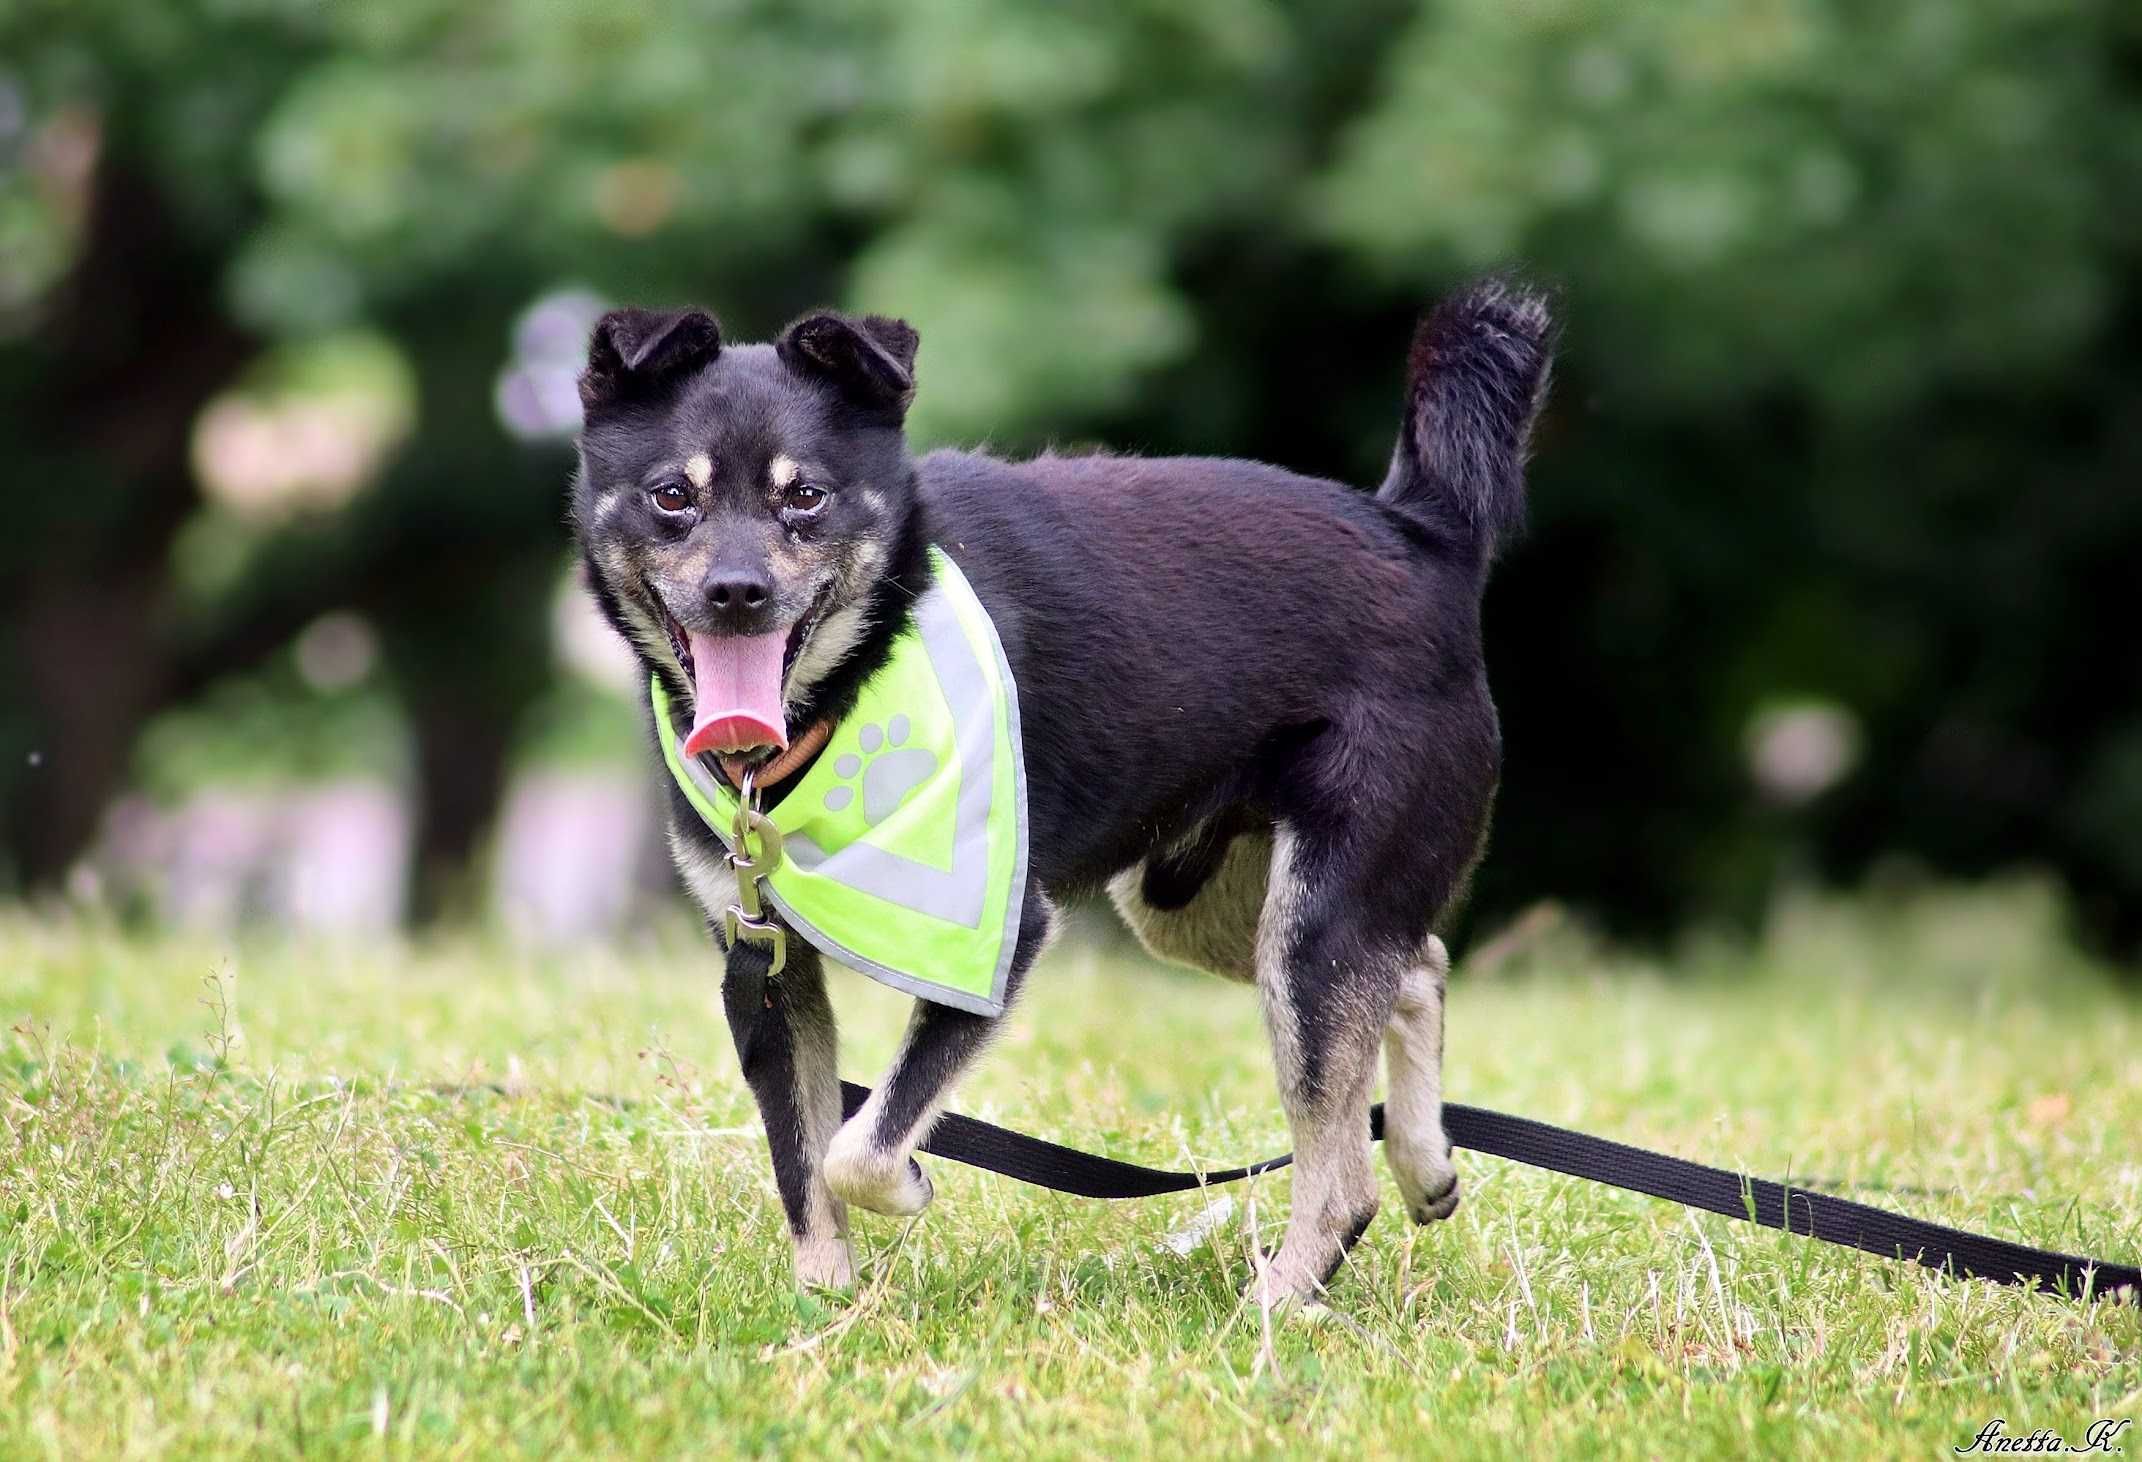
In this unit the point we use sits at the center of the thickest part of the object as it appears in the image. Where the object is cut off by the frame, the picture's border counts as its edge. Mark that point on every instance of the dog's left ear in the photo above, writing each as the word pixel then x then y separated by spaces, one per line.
pixel 869 357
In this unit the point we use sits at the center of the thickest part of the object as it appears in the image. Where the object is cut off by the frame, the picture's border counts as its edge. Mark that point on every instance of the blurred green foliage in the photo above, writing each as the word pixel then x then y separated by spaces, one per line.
pixel 268 731
pixel 1846 415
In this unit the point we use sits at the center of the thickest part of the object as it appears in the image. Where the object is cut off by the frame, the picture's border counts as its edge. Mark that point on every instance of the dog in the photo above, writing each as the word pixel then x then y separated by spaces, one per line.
pixel 1253 708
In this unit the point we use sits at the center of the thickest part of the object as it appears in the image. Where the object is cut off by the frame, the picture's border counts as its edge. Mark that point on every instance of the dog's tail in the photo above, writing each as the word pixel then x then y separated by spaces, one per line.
pixel 1474 382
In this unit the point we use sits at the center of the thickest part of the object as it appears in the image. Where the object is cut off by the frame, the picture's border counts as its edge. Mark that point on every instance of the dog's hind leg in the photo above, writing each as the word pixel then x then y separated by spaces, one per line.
pixel 789 1048
pixel 871 1162
pixel 1414 1142
pixel 1328 994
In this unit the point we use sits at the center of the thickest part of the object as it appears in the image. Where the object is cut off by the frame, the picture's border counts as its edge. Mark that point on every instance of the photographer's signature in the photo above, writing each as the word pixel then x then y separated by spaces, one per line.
pixel 2099 1436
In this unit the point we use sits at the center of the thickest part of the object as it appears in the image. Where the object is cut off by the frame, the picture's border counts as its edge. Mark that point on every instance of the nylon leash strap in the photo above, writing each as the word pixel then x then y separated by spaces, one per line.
pixel 1809 1214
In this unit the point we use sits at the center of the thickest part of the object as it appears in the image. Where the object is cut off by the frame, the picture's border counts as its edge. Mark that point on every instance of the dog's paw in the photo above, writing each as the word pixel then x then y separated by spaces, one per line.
pixel 1311 1256
pixel 898 1192
pixel 1281 1286
pixel 1436 1204
pixel 824 1263
pixel 864 1174
pixel 1428 1180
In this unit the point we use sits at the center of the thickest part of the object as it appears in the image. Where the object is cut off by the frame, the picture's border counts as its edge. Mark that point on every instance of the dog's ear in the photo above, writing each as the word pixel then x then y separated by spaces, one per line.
pixel 869 357
pixel 634 351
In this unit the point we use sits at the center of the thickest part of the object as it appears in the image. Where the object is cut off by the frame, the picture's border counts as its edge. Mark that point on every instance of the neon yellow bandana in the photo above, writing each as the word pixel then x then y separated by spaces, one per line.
pixel 905 842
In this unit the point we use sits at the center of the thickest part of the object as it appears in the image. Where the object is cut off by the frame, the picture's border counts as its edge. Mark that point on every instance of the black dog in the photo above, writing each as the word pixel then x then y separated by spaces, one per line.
pixel 1253 704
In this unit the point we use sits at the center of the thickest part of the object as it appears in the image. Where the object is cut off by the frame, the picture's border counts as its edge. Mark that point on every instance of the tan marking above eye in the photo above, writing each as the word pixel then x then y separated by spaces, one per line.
pixel 783 471
pixel 699 469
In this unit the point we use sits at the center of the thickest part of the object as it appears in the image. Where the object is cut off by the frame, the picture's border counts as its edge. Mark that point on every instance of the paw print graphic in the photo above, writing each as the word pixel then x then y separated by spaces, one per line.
pixel 889 769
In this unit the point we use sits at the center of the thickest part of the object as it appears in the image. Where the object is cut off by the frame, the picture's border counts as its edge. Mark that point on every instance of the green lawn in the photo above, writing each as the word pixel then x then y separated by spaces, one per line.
pixel 450 1198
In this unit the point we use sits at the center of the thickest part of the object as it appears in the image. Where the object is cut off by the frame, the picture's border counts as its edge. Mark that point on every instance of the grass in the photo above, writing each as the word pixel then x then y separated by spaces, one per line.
pixel 452 1199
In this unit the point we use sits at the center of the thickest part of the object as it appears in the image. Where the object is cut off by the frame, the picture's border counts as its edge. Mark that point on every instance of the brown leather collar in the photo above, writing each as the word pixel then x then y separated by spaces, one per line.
pixel 779 768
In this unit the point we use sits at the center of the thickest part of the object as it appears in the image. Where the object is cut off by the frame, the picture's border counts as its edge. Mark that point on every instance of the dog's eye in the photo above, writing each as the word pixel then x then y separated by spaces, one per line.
pixel 804 498
pixel 671 497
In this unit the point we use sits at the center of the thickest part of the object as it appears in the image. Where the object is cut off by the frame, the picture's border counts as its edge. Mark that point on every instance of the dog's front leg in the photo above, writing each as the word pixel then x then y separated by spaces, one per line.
pixel 787 1044
pixel 872 1160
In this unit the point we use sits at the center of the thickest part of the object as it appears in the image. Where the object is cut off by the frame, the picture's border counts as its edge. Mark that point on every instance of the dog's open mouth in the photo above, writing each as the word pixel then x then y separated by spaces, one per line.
pixel 737 682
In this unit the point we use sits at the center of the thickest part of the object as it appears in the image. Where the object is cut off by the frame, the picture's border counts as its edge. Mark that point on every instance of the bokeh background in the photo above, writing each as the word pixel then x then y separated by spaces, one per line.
pixel 1837 511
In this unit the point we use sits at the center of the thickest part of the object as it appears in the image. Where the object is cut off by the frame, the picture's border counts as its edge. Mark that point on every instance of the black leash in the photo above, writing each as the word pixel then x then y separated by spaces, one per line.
pixel 1773 1205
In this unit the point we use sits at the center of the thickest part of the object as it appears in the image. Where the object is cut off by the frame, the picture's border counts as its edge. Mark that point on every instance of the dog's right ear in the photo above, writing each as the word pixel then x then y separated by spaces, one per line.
pixel 633 351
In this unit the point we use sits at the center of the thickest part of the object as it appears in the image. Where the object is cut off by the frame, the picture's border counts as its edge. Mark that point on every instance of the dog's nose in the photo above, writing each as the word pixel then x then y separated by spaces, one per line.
pixel 737 591
pixel 739 600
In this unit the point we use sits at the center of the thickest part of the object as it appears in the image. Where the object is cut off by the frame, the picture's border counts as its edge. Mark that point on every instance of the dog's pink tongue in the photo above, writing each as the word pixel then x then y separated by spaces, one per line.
pixel 736 702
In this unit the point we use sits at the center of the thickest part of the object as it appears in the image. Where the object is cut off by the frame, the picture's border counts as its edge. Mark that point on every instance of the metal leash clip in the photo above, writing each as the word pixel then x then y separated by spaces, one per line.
pixel 746 918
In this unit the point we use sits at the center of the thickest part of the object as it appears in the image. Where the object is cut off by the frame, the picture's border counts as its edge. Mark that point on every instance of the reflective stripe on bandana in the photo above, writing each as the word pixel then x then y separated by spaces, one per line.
pixel 906 840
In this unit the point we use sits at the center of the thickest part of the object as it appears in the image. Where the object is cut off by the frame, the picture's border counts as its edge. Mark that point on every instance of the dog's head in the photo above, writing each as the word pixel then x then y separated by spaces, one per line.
pixel 737 504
